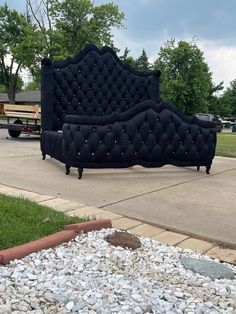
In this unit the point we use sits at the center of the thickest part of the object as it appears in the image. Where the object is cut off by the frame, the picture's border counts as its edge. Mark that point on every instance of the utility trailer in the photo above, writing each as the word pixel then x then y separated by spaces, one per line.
pixel 20 119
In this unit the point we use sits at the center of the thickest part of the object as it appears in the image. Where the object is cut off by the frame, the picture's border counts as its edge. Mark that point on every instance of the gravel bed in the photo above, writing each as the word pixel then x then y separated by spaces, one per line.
pixel 87 275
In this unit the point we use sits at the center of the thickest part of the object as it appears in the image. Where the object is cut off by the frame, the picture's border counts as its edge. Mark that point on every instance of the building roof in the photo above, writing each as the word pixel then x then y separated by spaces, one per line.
pixel 30 96
pixel 3 98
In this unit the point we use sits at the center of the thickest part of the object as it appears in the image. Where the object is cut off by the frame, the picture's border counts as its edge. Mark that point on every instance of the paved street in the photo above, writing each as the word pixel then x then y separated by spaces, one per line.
pixel 179 199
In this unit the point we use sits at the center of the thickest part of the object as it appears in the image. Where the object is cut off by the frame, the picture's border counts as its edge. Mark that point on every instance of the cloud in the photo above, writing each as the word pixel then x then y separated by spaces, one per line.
pixel 122 39
pixel 221 60
pixel 219 55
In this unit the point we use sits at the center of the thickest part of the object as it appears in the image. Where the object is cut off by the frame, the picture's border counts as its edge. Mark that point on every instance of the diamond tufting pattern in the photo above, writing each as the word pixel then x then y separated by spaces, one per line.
pixel 149 136
pixel 95 83
pixel 111 116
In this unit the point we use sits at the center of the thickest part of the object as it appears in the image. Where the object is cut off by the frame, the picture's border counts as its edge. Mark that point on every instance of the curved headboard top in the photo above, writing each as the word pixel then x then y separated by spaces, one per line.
pixel 100 51
pixel 93 83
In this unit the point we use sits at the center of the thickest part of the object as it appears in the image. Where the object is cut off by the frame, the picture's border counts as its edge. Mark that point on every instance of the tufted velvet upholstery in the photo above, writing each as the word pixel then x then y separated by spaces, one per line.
pixel 111 116
pixel 51 144
pixel 94 83
pixel 148 134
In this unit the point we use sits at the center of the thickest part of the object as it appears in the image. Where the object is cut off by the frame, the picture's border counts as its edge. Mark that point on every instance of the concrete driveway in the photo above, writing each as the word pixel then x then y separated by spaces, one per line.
pixel 180 199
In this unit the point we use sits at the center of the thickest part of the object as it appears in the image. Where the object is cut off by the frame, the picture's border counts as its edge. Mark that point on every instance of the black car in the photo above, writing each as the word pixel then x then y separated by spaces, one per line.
pixel 212 118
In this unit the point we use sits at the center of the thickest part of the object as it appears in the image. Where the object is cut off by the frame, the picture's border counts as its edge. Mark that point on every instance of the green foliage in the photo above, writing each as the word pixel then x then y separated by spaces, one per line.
pixel 34 84
pixel 105 17
pixel 72 24
pixel 126 58
pixel 186 80
pixel 125 54
pixel 215 104
pixel 19 45
pixel 131 62
pixel 2 88
pixel 228 99
pixel 52 28
pixel 19 84
pixel 142 62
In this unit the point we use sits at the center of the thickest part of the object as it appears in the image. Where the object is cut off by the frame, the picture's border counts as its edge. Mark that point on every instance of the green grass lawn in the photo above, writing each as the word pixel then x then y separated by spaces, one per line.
pixel 22 221
pixel 226 144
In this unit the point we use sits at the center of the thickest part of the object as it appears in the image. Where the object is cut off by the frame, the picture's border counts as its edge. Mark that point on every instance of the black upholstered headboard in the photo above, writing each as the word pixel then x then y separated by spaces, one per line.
pixel 93 83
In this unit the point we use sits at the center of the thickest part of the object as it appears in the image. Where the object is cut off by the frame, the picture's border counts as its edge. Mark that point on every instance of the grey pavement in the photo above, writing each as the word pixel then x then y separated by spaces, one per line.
pixel 179 199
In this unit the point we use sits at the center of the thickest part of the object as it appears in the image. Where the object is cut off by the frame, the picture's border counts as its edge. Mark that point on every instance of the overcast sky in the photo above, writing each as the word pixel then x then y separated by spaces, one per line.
pixel 150 23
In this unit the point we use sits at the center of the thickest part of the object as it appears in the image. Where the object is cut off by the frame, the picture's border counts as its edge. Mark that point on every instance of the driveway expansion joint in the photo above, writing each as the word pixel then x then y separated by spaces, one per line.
pixel 215 251
pixel 164 188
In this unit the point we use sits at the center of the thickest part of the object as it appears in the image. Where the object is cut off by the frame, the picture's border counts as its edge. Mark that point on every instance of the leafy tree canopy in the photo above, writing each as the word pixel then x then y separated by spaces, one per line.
pixel 19 45
pixel 228 99
pixel 126 58
pixel 143 63
pixel 69 25
pixel 34 84
pixel 51 28
pixel 186 80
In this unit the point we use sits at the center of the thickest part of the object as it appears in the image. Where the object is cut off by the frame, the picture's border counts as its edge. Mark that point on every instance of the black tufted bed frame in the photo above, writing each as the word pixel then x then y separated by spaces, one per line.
pixel 98 113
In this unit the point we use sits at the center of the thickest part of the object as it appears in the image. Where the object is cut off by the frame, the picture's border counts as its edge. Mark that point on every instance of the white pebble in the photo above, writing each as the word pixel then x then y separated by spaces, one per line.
pixel 87 275
pixel 179 294
pixel 70 305
pixel 32 277
pixel 209 304
pixel 5 309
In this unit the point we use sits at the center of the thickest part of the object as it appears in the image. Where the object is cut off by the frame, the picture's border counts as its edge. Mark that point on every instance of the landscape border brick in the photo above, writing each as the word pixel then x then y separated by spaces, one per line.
pixel 70 232
pixel 87 226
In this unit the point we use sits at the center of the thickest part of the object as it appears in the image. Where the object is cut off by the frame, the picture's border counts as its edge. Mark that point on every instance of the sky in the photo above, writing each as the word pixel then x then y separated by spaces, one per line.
pixel 150 23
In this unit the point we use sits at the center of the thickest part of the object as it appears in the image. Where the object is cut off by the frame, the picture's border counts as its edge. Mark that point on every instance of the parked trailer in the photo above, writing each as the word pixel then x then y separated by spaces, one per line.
pixel 20 119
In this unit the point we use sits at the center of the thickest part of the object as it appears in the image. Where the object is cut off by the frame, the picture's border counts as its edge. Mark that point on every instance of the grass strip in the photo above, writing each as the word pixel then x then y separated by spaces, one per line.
pixel 226 145
pixel 22 221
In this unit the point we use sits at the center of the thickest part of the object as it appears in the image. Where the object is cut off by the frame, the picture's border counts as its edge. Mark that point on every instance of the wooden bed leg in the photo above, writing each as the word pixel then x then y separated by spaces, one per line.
pixel 43 156
pixel 67 167
pixel 198 168
pixel 80 172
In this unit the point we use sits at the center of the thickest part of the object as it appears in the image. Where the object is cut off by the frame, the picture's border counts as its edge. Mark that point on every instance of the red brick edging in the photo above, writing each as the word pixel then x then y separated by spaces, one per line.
pixel 70 232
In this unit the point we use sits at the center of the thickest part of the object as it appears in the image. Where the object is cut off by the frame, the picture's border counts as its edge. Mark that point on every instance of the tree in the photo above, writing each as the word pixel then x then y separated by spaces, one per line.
pixel 216 106
pixel 19 43
pixel 34 84
pixel 128 59
pixel 228 99
pixel 69 25
pixel 142 62
pixel 185 79
pixel 125 54
pixel 19 86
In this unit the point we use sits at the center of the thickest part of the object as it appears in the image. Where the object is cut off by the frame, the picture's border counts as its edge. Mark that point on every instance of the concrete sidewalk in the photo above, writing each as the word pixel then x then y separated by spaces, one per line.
pixel 178 199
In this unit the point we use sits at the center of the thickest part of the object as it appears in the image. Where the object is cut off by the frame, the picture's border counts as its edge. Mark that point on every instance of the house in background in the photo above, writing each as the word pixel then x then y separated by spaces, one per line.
pixel 27 98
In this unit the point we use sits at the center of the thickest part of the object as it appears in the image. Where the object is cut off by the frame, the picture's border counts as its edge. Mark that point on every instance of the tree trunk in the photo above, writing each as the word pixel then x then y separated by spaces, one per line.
pixel 11 94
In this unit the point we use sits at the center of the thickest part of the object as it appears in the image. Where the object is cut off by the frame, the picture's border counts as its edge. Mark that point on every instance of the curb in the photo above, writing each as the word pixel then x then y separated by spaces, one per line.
pixel 70 232
pixel 87 226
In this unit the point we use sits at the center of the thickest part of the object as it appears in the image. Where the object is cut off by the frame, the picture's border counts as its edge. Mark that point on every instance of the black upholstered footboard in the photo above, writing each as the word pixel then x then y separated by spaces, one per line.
pixel 148 134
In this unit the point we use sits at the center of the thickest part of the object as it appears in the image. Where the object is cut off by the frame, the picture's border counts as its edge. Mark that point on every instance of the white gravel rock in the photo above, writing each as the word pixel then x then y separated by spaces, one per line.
pixel 70 305
pixel 88 275
pixel 5 309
